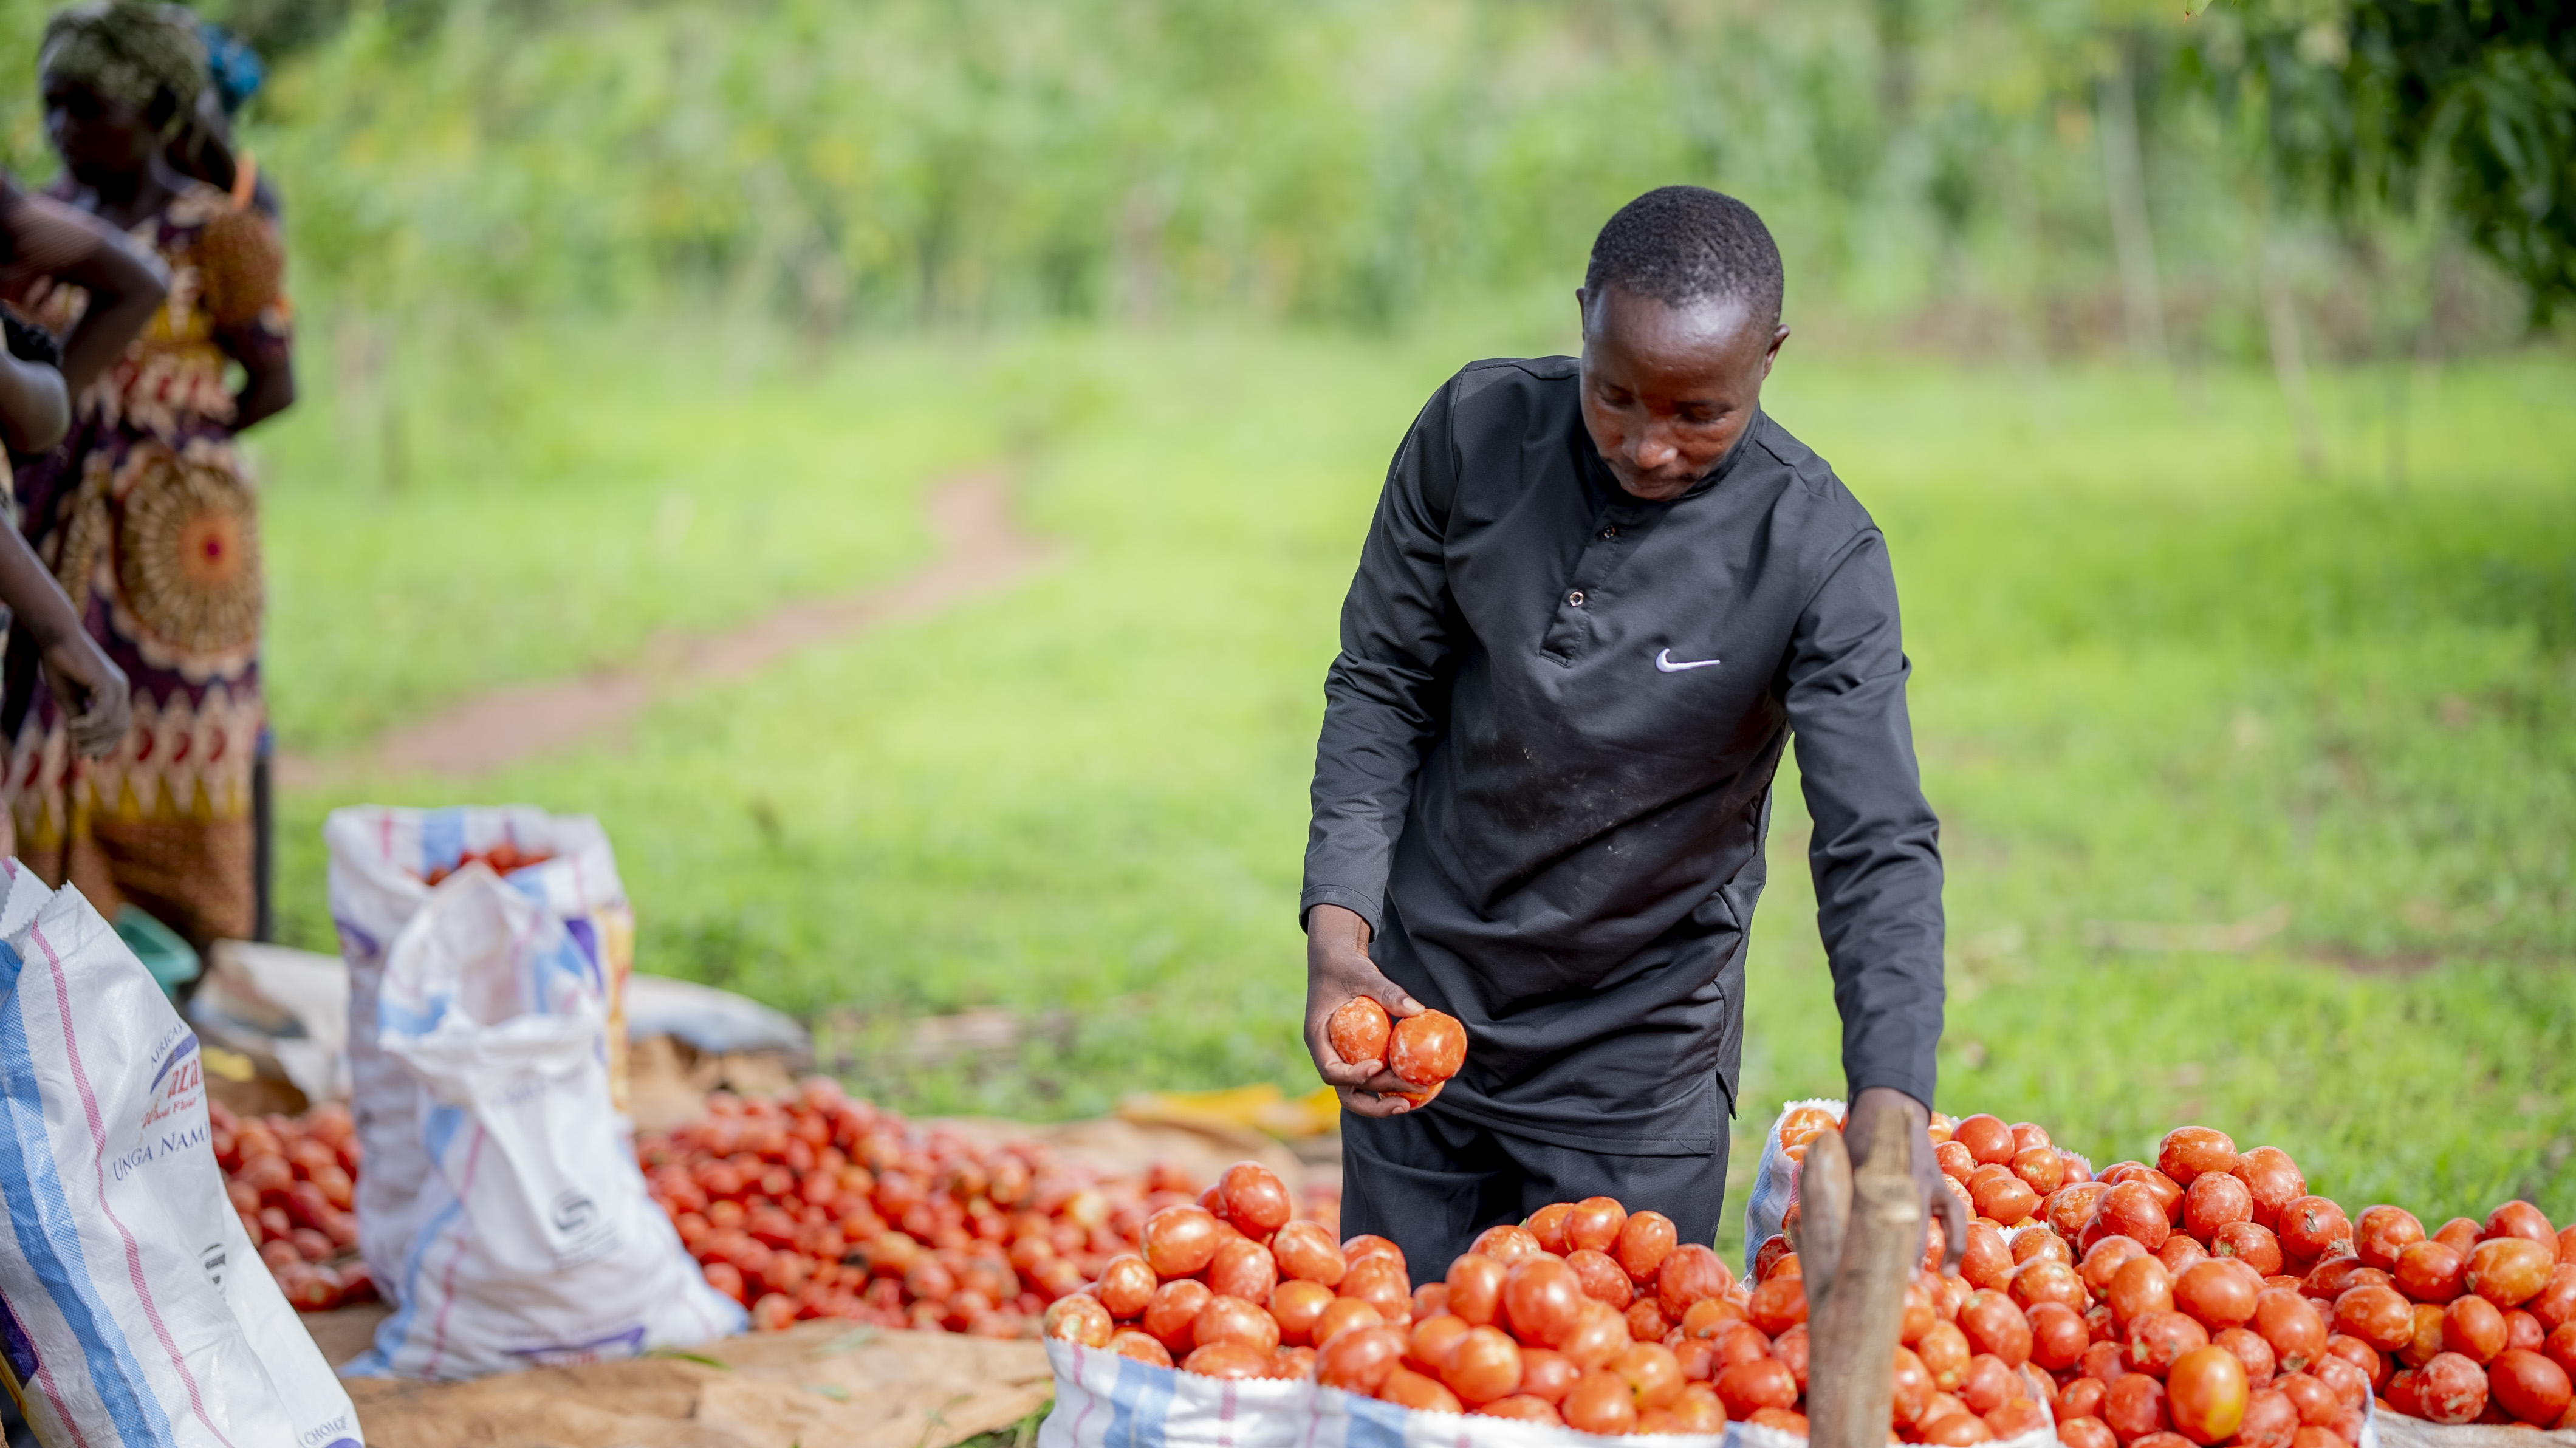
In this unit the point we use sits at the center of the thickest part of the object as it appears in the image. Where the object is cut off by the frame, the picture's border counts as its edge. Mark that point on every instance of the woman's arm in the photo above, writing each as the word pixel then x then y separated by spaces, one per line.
pixel 268 386
pixel 126 283
pixel 94 693
pixel 35 406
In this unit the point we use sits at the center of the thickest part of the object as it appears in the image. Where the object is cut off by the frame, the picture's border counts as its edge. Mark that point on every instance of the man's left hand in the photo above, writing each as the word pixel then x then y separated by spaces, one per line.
pixel 1884 1108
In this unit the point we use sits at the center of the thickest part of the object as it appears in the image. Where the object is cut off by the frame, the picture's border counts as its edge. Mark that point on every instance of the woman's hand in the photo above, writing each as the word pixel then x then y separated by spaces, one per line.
pixel 93 693
pixel 1337 969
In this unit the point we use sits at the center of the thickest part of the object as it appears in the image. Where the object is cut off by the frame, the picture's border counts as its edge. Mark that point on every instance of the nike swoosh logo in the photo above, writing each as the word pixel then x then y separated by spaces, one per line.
pixel 1665 663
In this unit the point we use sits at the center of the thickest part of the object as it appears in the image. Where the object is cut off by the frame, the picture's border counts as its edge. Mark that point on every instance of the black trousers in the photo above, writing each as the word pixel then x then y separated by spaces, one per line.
pixel 1430 1182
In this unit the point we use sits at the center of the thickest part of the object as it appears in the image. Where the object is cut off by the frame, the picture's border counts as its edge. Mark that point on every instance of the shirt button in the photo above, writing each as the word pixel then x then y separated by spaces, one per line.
pixel 1610 532
pixel 1575 598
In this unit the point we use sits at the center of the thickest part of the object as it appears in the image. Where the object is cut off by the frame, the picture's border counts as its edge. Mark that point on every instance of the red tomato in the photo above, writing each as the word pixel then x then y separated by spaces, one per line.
pixel 2156 1339
pixel 2041 1168
pixel 1306 1251
pixel 1144 1349
pixel 2217 1293
pixel 2250 1243
pixel 1540 1296
pixel 2070 1208
pixel 1427 1049
pixel 2205 1394
pixel 1523 1407
pixel 1256 1201
pixel 1173 1313
pixel 2529 1386
pixel 1599 1335
pixel 1689 1273
pixel 2190 1151
pixel 1358 1030
pixel 1601 1403
pixel 2274 1180
pixel 2058 1336
pixel 1408 1389
pixel 2474 1328
pixel 1365 1245
pixel 2381 1232
pixel 1343 1314
pixel 1507 1244
pixel 2085 1433
pixel 2269 1422
pixel 1427 1346
pixel 1228 1360
pixel 1986 1138
pixel 1600 1277
pixel 2128 1209
pixel 1987 1384
pixel 1594 1223
pixel 1653 1374
pixel 1243 1268
pixel 1359 1361
pixel 2520 1219
pixel 1180 1240
pixel 2291 1325
pixel 1380 1282
pixel 2312 1227
pixel 1547 1374
pixel 1476 1288
pixel 1296 1305
pixel 1748 1387
pixel 2140 1285
pixel 2134 1406
pixel 2555 1303
pixel 2261 1363
pixel 2213 1200
pixel 1777 1305
pixel 2451 1389
pixel 1646 1239
pixel 1483 1364
pixel 1079 1319
pixel 2510 1270
pixel 1548 1225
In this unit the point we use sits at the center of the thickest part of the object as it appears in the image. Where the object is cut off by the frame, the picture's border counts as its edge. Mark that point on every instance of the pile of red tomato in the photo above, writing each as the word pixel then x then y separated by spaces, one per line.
pixel 292 1179
pixel 502 858
pixel 820 1205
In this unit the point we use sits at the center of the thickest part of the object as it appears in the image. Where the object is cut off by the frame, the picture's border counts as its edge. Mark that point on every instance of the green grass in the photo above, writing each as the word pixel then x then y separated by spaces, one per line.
pixel 2161 678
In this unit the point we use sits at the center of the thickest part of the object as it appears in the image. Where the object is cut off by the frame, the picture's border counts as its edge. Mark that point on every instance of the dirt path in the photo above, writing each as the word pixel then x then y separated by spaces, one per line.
pixel 981 550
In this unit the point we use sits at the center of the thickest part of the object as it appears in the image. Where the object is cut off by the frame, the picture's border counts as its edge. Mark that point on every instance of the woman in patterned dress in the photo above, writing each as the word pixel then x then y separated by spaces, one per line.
pixel 147 514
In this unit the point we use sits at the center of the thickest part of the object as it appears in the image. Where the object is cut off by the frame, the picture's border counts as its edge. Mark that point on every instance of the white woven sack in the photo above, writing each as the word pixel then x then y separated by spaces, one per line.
pixel 133 1309
pixel 1775 1183
pixel 536 1242
pixel 380 857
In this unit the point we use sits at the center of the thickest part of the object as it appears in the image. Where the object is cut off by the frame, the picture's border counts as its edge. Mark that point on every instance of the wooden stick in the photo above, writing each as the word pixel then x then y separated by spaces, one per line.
pixel 1852 1332
pixel 1824 1205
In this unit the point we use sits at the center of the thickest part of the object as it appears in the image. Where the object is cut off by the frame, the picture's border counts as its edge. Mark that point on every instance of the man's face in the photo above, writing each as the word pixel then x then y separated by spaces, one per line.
pixel 1667 390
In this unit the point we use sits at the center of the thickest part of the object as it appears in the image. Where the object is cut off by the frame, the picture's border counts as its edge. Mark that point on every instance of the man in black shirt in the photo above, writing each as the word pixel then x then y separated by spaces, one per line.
pixel 1598 599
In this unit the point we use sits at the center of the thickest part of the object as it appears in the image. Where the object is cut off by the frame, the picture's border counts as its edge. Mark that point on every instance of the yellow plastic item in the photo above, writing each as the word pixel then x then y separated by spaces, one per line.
pixel 1264 1108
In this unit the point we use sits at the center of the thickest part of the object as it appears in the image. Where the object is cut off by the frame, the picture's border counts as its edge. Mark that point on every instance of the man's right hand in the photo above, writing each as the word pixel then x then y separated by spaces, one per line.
pixel 1338 968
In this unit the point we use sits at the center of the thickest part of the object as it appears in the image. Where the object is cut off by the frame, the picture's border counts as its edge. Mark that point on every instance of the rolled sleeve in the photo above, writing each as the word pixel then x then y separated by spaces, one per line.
pixel 1876 851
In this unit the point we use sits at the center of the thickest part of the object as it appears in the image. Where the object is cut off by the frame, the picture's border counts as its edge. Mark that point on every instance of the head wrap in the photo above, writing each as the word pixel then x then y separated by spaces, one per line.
pixel 129 51
pixel 232 66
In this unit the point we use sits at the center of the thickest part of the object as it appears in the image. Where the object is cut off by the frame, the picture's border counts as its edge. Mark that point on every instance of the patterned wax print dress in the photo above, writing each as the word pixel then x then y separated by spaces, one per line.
pixel 148 518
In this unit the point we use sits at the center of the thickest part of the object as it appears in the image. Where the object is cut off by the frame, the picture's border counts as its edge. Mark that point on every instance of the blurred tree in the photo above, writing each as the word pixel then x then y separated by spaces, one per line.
pixel 2468 106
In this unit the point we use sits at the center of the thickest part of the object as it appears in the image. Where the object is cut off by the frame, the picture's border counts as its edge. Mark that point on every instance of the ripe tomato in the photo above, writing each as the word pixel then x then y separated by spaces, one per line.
pixel 2529 1386
pixel 2166 1191
pixel 1547 1374
pixel 2250 1243
pixel 1306 1251
pixel 2451 1389
pixel 1366 1245
pixel 2213 1200
pixel 1653 1374
pixel 2250 1349
pixel 2379 1316
pixel 2086 1433
pixel 1780 1420
pixel 2555 1303
pixel 1777 1305
pixel 1955 1160
pixel 1548 1225
pixel 2381 1232
pixel 2129 1209
pixel 2460 1232
pixel 1712 1318
pixel 1476 1287
pixel 1690 1272
pixel 1427 1049
pixel 2509 1271
pixel 2004 1197
pixel 1173 1313
pixel 2041 1168
pixel 2156 1339
pixel 2104 1259
pixel 2273 1179
pixel 1483 1364
pixel 2045 1280
pixel 2316 1403
pixel 1427 1346
pixel 2269 1421
pixel 1180 1240
pixel 1993 1325
pixel 2190 1151
pixel 2080 1398
pixel 1228 1360
pixel 1380 1282
pixel 1243 1268
pixel 2217 1293
pixel 1746 1388
pixel 1987 1384
pixel 2140 1285
pixel 2427 1341
pixel 1507 1244
pixel 1594 1223
pixel 2312 1227
pixel 1343 1314
pixel 2205 1394
pixel 1358 1361
pixel 2179 1252
pixel 1296 1305
pixel 1523 1407
pixel 1646 1322
pixel 1913 1388
pixel 2474 1328
pixel 2520 1219
pixel 2291 1325
pixel 1646 1239
pixel 1128 1342
pixel 1987 1261
pixel 1601 1403
pixel 2070 1208
pixel 2560 1347
pixel 1358 1029
pixel 1598 1336
pixel 1600 1278
pixel 2350 1382
pixel 1079 1319
pixel 2521 1329
pixel 1944 1351
pixel 1986 1138
pixel 1255 1200
pixel 1698 1410
pixel 1540 1296
pixel 2134 1406
pixel 2058 1336
pixel 1408 1389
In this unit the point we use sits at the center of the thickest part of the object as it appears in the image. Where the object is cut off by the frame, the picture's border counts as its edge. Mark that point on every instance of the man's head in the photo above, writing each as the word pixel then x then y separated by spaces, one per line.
pixel 1681 322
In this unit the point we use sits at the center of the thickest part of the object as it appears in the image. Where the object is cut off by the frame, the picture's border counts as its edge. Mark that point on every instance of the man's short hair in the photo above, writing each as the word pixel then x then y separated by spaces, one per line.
pixel 1685 244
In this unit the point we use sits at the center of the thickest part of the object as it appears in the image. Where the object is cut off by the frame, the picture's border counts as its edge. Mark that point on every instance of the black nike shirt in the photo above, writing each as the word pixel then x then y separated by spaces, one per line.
pixel 1548 744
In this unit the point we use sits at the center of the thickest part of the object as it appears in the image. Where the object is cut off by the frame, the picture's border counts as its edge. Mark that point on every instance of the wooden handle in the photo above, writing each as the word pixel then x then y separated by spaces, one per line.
pixel 1853 1321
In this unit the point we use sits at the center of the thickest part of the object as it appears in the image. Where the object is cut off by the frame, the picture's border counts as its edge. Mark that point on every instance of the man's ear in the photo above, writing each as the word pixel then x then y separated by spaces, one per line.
pixel 1583 309
pixel 1771 354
